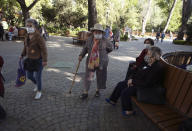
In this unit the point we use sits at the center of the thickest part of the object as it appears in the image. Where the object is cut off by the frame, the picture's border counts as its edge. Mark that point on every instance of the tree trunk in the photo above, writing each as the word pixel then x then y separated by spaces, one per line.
pixel 170 15
pixel 186 13
pixel 25 9
pixel 145 18
pixel 92 13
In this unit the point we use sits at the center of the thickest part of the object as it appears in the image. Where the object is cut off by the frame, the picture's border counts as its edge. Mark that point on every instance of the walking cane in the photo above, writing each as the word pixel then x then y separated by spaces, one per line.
pixel 74 77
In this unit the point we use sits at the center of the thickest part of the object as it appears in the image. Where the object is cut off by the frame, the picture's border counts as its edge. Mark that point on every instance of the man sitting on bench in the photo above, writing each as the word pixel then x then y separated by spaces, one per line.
pixel 148 76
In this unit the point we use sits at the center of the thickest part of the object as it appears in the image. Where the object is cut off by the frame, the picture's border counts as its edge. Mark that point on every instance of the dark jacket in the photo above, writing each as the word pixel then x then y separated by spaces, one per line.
pixel 149 76
pixel 1 78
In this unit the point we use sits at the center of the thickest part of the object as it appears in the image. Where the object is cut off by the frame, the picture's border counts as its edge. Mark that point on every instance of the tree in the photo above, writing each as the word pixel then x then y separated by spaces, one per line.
pixel 170 15
pixel 186 13
pixel 25 9
pixel 92 13
pixel 145 18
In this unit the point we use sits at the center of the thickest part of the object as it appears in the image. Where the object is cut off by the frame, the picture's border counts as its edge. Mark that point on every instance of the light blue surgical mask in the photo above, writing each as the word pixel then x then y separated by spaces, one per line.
pixel 98 36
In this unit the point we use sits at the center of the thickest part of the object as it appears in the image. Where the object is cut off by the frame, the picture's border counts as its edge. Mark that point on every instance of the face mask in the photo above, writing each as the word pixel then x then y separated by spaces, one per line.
pixel 97 36
pixel 146 46
pixel 30 30
pixel 147 59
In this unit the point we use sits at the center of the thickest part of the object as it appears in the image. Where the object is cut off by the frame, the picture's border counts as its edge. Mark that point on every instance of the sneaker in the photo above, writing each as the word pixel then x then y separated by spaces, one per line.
pixel 38 95
pixel 35 89
pixel 83 96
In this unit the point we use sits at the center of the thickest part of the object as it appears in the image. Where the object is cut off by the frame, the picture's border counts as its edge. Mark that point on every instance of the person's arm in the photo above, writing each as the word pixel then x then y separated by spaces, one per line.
pixel 84 50
pixel 23 54
pixel 43 49
pixel 151 77
pixel 140 58
pixel 109 46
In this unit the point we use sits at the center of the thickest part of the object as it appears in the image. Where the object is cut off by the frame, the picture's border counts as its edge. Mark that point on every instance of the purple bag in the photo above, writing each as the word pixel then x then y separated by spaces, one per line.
pixel 21 75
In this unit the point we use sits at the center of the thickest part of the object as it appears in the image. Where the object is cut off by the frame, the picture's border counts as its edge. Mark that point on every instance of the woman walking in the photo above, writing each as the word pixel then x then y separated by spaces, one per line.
pixel 97 47
pixel 36 52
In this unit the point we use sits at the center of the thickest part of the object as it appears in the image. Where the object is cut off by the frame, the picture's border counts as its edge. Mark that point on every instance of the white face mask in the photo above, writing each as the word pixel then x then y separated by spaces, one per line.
pixel 147 46
pixel 30 30
pixel 98 36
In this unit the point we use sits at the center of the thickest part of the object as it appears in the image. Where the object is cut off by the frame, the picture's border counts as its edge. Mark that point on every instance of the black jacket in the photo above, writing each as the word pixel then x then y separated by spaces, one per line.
pixel 149 76
pixel 1 29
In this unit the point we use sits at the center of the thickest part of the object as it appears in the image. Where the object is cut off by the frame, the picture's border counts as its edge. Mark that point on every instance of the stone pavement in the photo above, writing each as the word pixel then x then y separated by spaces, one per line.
pixel 59 111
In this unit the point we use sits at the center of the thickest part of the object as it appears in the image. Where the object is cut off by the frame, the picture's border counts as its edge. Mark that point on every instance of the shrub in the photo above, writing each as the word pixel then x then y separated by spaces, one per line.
pixel 182 42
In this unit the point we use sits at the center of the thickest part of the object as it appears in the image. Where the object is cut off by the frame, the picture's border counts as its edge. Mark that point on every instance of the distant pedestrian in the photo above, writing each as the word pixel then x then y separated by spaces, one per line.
pixel 157 36
pixel 116 39
pixel 97 47
pixel 107 33
pixel 162 36
pixel 36 52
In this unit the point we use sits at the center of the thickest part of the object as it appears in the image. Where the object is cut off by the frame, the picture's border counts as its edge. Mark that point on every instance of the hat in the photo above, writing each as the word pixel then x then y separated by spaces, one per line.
pixel 97 27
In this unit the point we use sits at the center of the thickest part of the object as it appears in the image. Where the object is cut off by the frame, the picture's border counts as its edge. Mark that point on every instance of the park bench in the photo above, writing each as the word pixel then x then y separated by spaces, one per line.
pixel 178 84
pixel 81 37
pixel 21 34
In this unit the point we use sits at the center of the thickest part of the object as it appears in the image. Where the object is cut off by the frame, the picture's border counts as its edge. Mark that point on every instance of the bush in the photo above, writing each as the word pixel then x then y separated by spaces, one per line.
pixel 124 38
pixel 181 42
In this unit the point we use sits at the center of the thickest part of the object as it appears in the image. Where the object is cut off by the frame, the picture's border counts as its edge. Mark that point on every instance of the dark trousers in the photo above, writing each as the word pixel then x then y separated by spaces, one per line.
pixel 121 90
pixel 1 36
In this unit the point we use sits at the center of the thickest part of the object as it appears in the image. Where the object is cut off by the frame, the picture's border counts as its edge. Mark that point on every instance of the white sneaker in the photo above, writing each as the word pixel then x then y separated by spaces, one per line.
pixel 38 95
pixel 35 89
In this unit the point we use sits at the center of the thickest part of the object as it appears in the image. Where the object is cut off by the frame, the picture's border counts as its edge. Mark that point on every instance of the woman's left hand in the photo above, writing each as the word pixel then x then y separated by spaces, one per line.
pixel 44 64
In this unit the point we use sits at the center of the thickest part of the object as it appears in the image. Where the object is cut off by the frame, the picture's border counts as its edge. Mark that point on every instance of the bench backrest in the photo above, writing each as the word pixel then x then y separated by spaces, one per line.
pixel 178 84
pixel 21 32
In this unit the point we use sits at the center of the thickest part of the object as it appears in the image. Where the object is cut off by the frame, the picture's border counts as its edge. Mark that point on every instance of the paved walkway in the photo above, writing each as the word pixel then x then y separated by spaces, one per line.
pixel 59 111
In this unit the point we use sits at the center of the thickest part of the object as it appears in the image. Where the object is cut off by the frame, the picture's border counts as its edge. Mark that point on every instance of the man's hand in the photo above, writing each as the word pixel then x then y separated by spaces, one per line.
pixel 129 83
pixel 44 64
pixel 80 58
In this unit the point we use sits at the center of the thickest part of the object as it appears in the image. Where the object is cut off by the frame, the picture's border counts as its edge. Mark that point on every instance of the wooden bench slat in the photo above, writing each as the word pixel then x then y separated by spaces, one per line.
pixel 168 77
pixel 187 102
pixel 177 86
pixel 165 117
pixel 171 128
pixel 183 91
pixel 162 113
pixel 172 85
pixel 169 123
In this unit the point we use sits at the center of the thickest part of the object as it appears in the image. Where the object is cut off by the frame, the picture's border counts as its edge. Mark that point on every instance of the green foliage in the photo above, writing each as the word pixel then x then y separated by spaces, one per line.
pixel 182 42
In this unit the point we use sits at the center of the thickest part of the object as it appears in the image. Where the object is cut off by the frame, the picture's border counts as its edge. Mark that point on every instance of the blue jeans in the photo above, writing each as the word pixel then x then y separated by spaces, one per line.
pixel 35 76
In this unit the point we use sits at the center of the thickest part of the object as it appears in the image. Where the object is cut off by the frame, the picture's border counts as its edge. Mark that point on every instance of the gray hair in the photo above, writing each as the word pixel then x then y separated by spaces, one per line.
pixel 155 52
pixel 33 21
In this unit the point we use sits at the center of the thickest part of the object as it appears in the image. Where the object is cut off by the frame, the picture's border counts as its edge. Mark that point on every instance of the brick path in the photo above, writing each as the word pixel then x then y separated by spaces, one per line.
pixel 59 111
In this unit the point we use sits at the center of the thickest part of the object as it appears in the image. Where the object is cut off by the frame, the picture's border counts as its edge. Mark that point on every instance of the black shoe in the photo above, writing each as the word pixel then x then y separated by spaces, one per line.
pixel 83 96
pixel 97 94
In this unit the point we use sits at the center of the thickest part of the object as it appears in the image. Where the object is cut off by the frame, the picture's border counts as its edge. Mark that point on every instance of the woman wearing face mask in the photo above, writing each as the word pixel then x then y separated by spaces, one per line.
pixel 97 48
pixel 36 55
pixel 147 77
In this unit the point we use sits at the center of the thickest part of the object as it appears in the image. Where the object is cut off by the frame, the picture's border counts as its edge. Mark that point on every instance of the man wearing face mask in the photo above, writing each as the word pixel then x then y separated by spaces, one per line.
pixel 36 52
pixel 97 47
pixel 147 77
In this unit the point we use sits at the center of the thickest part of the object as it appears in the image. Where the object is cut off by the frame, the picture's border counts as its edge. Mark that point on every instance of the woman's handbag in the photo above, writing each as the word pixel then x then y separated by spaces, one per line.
pixel 155 95
pixel 21 75
pixel 32 64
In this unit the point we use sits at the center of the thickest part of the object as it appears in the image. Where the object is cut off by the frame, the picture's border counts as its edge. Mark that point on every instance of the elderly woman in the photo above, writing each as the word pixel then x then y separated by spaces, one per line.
pixel 147 77
pixel 97 47
pixel 36 52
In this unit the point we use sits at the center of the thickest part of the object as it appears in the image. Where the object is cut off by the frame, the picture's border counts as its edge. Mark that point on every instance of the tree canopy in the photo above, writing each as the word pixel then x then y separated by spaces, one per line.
pixel 59 14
